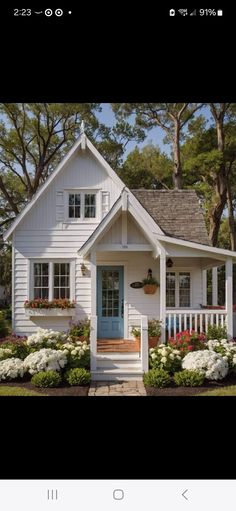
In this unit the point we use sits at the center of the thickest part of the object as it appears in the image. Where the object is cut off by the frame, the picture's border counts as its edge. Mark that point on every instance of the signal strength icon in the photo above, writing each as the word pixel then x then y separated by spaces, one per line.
pixel 194 13
pixel 184 12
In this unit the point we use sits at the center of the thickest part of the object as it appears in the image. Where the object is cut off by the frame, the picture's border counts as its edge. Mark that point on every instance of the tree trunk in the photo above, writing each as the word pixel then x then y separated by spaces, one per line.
pixel 177 175
pixel 232 232
pixel 215 218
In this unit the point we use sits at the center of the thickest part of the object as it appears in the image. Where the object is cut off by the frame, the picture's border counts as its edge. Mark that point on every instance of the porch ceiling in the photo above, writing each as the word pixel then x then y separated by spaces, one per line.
pixel 200 262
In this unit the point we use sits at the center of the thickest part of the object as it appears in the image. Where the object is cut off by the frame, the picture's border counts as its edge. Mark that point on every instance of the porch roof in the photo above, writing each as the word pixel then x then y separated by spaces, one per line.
pixel 147 225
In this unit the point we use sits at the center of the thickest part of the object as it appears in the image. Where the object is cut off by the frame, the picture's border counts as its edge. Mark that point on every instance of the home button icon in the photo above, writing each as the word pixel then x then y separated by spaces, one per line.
pixel 118 494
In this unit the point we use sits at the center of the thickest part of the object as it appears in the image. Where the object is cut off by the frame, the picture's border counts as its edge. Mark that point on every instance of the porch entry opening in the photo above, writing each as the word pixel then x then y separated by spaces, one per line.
pixel 110 302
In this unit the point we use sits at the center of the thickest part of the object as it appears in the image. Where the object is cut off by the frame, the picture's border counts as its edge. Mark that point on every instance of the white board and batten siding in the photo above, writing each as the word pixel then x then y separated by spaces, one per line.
pixel 46 234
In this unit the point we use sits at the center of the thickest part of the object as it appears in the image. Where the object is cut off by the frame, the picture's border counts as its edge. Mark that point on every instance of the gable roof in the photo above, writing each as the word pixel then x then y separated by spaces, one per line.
pixel 149 228
pixel 81 142
pixel 177 212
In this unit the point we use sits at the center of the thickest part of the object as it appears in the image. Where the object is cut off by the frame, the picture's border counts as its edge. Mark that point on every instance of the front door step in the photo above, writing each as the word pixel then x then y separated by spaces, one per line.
pixel 127 374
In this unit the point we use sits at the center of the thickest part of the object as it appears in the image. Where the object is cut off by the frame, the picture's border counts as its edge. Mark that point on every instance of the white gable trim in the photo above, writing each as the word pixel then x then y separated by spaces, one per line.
pixel 107 222
pixel 82 142
pixel 38 194
pixel 197 246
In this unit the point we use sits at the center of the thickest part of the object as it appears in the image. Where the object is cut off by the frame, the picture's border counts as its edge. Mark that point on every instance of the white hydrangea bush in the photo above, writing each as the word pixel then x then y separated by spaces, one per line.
pixel 227 349
pixel 209 363
pixel 45 359
pixel 5 353
pixel 78 353
pixel 11 368
pixel 165 357
pixel 46 338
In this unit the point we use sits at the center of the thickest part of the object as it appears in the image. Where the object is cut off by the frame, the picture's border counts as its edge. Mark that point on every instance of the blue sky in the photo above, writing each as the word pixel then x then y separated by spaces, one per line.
pixel 155 136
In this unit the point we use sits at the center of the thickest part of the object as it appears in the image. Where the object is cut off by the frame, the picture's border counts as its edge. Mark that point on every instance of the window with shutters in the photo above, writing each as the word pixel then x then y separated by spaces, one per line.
pixel 83 205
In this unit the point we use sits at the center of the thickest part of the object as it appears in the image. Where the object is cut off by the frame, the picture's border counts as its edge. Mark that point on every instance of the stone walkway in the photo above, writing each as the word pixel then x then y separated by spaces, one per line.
pixel 110 388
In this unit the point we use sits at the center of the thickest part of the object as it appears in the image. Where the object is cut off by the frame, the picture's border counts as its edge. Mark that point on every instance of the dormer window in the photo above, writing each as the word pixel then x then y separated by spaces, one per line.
pixel 82 205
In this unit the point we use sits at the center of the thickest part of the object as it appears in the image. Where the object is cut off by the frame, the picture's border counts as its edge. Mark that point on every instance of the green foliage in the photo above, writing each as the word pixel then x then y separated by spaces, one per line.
pixel 136 332
pixel 80 329
pixel 188 378
pixel 79 360
pixel 157 378
pixel 151 281
pixel 77 376
pixel 46 379
pixel 18 347
pixel 216 332
pixel 3 326
pixel 154 328
pixel 147 168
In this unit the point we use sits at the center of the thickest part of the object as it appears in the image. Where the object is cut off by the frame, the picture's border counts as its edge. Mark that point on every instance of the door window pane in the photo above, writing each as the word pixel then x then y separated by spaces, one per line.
pixel 110 293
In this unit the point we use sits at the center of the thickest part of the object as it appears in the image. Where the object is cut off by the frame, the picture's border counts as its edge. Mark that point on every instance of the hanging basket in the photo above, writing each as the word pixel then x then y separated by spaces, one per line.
pixel 149 289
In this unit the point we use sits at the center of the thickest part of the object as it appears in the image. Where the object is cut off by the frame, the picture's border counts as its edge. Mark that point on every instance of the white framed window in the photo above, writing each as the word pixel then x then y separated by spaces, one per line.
pixel 52 279
pixel 41 280
pixel 83 205
pixel 178 289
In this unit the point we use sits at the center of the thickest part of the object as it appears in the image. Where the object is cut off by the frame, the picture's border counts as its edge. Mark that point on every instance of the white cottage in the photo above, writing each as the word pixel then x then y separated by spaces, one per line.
pixel 87 237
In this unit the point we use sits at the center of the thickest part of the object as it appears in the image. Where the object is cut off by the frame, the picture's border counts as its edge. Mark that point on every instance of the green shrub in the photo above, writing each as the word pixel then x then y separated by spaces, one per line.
pixel 216 332
pixel 19 348
pixel 46 379
pixel 8 313
pixel 188 378
pixel 80 329
pixel 3 326
pixel 78 360
pixel 157 378
pixel 77 376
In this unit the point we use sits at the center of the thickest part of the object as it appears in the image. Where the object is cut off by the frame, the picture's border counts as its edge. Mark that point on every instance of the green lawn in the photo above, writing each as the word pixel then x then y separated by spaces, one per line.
pixel 17 391
pixel 226 391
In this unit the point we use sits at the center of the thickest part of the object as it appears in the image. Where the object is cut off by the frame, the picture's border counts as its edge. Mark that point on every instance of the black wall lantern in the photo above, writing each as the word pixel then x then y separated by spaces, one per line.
pixel 169 263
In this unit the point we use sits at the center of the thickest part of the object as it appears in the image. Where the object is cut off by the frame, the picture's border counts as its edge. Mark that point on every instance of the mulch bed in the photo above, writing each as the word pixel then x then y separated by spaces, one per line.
pixel 57 391
pixel 191 391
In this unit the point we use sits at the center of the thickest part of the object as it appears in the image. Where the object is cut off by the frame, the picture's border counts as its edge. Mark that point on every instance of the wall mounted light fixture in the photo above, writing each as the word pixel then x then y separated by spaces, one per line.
pixel 83 269
pixel 169 263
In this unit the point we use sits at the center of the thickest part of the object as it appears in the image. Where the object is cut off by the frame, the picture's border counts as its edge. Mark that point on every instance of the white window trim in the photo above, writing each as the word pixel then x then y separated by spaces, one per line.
pixel 51 276
pixel 177 272
pixel 82 192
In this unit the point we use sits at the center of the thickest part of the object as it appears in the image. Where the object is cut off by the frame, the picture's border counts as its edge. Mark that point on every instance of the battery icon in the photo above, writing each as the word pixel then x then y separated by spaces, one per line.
pixel 220 12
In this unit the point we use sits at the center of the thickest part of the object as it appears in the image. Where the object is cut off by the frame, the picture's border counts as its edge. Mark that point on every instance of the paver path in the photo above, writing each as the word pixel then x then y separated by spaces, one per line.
pixel 110 388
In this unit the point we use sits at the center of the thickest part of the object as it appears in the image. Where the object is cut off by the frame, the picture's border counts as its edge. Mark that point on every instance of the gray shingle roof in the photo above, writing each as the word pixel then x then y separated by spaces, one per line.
pixel 177 212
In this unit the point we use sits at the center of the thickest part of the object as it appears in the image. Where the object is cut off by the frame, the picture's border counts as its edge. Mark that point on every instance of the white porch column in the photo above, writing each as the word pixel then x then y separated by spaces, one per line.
pixel 229 295
pixel 93 272
pixel 163 295
pixel 204 287
pixel 144 343
pixel 215 285
pixel 93 334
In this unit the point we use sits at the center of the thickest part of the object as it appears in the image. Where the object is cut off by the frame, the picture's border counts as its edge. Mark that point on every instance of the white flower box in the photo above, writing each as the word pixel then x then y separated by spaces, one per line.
pixel 50 312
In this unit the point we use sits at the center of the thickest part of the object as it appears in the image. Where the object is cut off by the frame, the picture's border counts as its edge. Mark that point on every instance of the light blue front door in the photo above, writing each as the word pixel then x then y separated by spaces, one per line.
pixel 110 302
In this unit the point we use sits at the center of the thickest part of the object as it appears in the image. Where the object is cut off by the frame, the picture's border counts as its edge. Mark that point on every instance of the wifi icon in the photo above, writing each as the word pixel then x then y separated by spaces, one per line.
pixel 184 12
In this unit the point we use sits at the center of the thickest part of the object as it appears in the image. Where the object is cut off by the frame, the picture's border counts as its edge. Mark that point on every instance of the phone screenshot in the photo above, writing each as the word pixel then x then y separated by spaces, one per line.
pixel 117 257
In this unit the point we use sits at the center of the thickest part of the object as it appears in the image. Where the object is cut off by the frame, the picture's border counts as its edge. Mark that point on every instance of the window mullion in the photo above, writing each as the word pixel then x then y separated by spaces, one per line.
pixel 51 281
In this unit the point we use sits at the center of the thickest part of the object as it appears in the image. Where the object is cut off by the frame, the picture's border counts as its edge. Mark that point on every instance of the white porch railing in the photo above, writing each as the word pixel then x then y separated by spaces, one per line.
pixel 93 343
pixel 144 343
pixel 193 319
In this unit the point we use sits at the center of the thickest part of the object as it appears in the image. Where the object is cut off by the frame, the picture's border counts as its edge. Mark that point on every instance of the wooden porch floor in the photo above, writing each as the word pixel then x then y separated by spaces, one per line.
pixel 117 345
